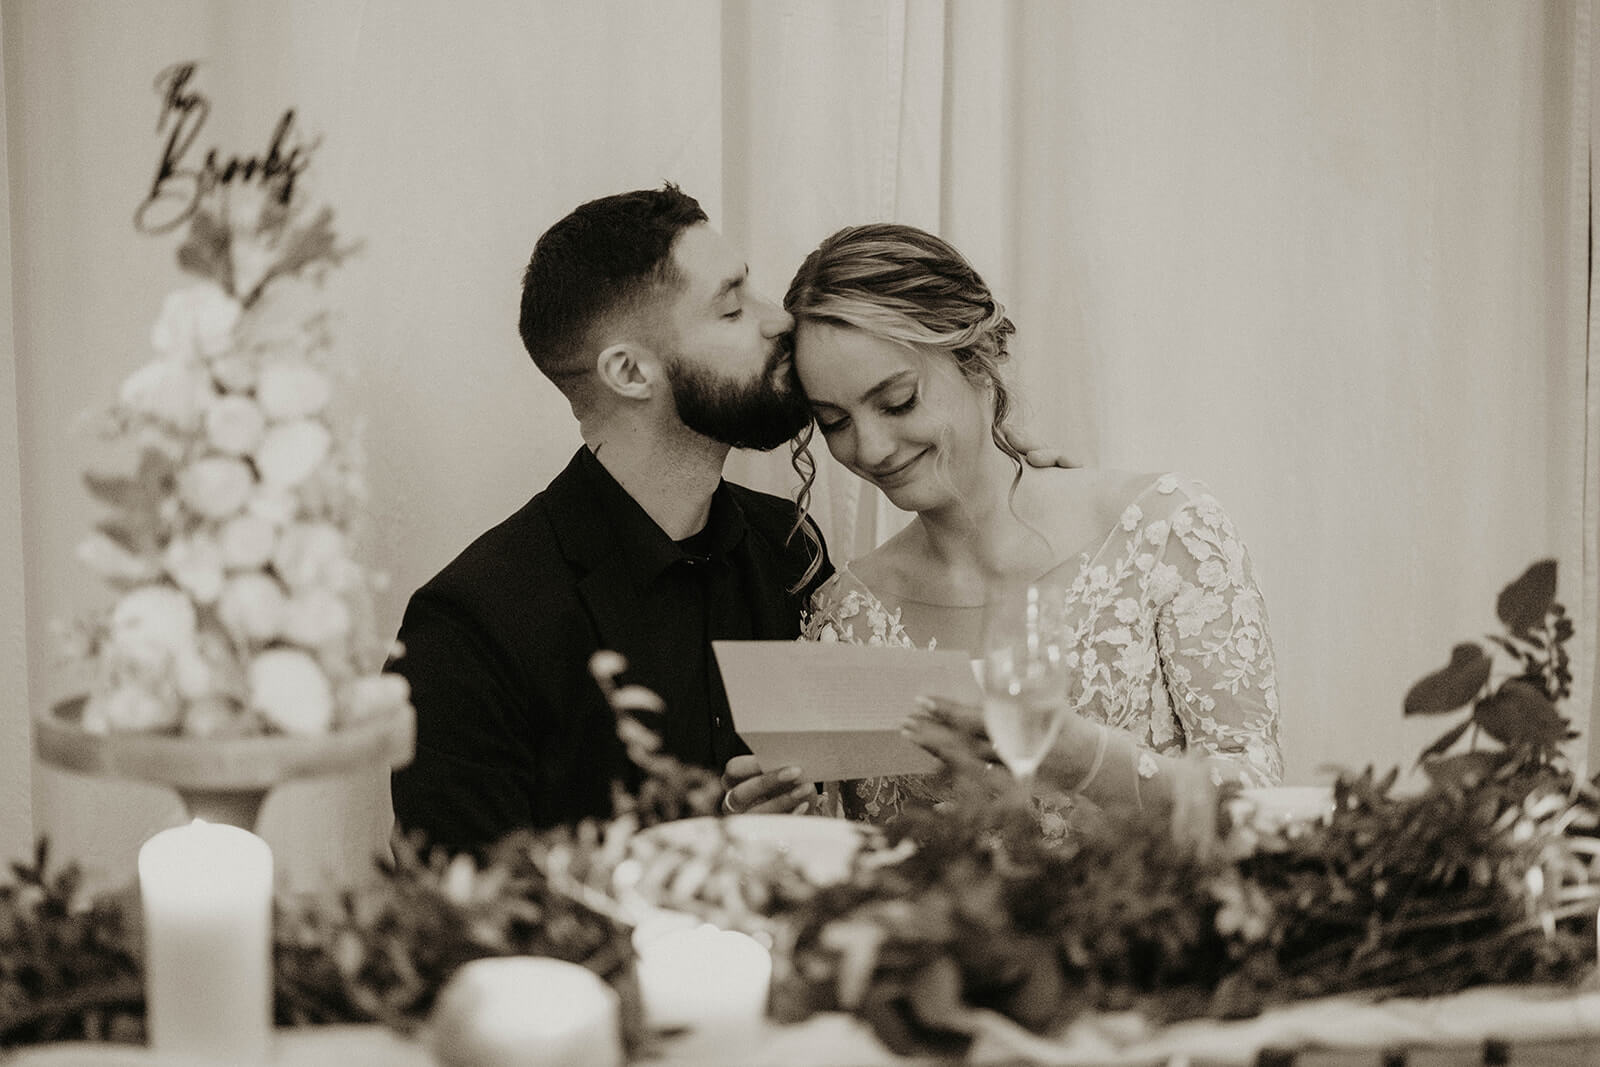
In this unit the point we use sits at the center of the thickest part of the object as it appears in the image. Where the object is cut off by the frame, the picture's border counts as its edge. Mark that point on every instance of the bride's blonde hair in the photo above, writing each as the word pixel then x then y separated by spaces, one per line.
pixel 904 284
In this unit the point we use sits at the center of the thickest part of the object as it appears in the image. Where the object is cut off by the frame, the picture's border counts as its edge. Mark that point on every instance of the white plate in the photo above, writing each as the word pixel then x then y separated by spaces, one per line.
pixel 820 847
pixel 1288 805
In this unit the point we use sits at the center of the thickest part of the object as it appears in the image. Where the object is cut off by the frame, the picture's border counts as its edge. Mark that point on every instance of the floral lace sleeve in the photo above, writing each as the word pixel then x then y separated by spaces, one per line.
pixel 1211 637
pixel 844 610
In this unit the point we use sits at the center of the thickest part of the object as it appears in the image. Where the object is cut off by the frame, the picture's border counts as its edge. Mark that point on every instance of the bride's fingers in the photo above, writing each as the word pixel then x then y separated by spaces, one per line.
pixel 955 745
pixel 953 713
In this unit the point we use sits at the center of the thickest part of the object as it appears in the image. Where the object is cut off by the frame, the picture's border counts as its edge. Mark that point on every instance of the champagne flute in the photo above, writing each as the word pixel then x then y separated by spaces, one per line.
pixel 1024 676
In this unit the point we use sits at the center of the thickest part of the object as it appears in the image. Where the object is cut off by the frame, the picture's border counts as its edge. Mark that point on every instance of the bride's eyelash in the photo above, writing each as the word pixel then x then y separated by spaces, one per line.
pixel 909 403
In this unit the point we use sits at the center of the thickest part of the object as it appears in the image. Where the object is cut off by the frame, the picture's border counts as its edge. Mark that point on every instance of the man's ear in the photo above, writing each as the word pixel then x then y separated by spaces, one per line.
pixel 629 369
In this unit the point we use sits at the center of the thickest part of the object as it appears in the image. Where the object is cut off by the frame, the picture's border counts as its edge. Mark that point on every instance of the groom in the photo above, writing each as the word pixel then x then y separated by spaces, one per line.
pixel 643 316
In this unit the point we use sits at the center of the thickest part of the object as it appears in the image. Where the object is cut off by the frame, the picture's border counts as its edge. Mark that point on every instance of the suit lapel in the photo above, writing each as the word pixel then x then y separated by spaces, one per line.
pixel 607 585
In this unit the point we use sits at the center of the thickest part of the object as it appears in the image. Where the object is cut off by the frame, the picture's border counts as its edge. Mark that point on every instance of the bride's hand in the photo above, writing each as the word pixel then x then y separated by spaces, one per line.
pixel 954 732
pixel 747 789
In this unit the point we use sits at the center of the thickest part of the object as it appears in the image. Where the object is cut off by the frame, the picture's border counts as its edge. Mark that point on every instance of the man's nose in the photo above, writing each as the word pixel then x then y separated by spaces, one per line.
pixel 775 322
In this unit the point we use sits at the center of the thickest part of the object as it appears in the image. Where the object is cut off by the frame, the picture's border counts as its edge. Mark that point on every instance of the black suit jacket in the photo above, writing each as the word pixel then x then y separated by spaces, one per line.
pixel 512 730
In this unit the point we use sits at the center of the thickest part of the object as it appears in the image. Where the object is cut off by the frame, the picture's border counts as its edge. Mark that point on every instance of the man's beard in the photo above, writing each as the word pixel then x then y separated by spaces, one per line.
pixel 761 413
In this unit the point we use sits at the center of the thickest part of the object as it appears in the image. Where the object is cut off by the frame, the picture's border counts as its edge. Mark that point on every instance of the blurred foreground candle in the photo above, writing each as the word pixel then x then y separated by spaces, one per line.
pixel 712 981
pixel 207 897
pixel 525 1011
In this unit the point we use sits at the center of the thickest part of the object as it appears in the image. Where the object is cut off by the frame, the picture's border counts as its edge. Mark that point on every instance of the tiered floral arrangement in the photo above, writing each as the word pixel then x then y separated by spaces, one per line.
pixel 1487 876
pixel 230 504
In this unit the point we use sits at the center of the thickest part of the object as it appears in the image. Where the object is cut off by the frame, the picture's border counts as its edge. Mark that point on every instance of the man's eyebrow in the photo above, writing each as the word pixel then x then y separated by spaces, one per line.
pixel 731 284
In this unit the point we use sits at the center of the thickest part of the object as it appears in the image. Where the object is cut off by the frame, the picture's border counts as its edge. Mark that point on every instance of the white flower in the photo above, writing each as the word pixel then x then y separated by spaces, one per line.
pixel 151 623
pixel 1127 610
pixel 168 390
pixel 1131 516
pixel 292 450
pixel 1164 582
pixel 288 687
pixel 195 322
pixel 211 716
pixel 274 503
pixel 292 389
pixel 1156 532
pixel 236 374
pixel 314 617
pixel 1212 574
pixel 195 563
pixel 110 560
pixel 1167 483
pixel 192 673
pixel 215 487
pixel 246 542
pixel 234 424
pixel 252 607
pixel 376 695
pixel 309 555
pixel 129 707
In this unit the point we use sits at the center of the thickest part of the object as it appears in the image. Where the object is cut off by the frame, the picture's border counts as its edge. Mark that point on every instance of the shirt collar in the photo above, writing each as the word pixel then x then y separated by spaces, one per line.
pixel 645 546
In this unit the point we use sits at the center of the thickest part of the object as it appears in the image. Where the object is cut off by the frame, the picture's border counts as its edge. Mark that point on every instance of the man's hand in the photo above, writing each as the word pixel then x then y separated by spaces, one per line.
pixel 747 789
pixel 1037 455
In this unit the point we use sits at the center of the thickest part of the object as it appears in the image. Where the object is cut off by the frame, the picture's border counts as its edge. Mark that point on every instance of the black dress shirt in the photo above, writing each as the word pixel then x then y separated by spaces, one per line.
pixel 511 729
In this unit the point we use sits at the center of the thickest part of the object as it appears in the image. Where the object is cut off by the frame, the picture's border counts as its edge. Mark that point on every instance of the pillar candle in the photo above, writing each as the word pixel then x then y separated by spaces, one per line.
pixel 525 1011
pixel 712 981
pixel 207 897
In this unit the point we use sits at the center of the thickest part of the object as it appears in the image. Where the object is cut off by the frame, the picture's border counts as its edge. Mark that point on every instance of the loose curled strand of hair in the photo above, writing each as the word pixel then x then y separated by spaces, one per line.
pixel 805 465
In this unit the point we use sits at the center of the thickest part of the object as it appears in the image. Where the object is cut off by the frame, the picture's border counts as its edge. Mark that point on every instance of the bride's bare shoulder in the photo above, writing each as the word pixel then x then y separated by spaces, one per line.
pixel 1087 499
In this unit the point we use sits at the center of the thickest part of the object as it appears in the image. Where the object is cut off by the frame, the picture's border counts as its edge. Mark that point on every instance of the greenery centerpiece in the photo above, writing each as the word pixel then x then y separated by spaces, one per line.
pixel 1488 875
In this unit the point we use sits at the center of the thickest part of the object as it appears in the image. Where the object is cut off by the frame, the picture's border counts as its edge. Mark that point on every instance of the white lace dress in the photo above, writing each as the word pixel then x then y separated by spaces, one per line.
pixel 1170 643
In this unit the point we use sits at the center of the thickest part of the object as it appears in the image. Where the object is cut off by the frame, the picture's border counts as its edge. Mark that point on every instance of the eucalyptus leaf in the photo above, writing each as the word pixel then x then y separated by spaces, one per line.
pixel 1452 686
pixel 1523 603
pixel 1519 713
pixel 1450 737
pixel 1464 769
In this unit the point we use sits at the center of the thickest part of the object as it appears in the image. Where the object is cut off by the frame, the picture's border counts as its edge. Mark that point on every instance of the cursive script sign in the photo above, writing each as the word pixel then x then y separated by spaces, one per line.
pixel 181 185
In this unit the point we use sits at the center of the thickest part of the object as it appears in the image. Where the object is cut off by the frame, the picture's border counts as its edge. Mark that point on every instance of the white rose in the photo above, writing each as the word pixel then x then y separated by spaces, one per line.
pixel 292 389
pixel 212 716
pixel 310 555
pixel 215 487
pixel 110 560
pixel 195 563
pixel 287 686
pixel 236 374
pixel 252 606
pixel 234 424
pixel 292 450
pixel 168 390
pixel 377 694
pixel 315 617
pixel 246 542
pixel 274 503
pixel 193 674
pixel 195 322
pixel 130 707
pixel 151 623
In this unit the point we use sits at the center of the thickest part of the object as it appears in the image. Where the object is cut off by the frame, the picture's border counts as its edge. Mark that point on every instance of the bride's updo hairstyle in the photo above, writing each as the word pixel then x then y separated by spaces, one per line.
pixel 904 284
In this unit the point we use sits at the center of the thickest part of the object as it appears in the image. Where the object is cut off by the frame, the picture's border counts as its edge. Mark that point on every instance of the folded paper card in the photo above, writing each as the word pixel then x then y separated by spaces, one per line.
pixel 834 710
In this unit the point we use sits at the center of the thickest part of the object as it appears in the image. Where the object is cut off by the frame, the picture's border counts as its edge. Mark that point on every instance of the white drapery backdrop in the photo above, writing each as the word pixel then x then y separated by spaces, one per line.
pixel 1331 258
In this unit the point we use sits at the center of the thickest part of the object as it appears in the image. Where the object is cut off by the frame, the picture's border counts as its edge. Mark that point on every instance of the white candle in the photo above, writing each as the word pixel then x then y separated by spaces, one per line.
pixel 712 981
pixel 525 1011
pixel 207 897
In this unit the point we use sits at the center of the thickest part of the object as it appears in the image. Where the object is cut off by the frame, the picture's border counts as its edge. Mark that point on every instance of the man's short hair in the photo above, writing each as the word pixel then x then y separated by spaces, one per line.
pixel 608 256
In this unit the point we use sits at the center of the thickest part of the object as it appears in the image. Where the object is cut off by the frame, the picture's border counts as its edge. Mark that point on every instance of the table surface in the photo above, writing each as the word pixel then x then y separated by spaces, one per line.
pixel 1559 1028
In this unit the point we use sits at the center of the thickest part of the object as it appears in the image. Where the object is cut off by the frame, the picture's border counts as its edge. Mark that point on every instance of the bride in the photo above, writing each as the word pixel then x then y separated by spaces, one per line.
pixel 899 347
